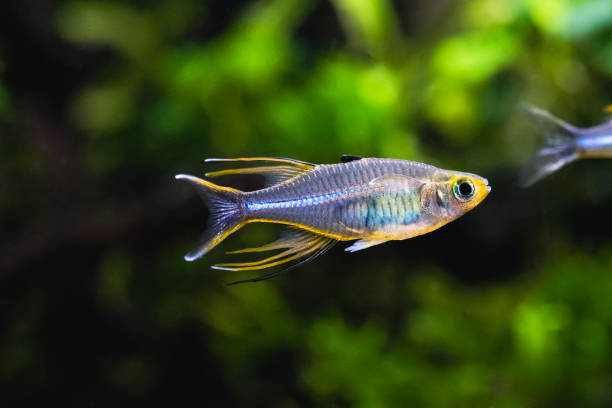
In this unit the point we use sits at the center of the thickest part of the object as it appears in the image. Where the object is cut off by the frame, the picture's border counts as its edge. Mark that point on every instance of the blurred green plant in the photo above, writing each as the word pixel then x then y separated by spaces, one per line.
pixel 542 340
pixel 438 83
pixel 250 90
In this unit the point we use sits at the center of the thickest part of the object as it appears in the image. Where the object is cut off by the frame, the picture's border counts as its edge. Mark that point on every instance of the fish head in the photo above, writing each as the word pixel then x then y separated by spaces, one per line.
pixel 457 193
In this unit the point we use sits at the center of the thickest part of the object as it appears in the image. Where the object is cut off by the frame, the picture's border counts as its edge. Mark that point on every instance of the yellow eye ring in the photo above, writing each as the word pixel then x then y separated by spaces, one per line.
pixel 463 189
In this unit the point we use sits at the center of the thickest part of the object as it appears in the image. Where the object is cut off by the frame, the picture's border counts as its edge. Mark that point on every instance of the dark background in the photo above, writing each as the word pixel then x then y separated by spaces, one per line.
pixel 102 103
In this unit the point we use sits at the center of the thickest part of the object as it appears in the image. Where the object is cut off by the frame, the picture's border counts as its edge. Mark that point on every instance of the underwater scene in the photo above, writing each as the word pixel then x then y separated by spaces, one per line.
pixel 418 213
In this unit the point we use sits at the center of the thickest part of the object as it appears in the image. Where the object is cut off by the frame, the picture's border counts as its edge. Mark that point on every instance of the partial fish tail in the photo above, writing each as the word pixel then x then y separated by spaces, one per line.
pixel 560 146
pixel 227 214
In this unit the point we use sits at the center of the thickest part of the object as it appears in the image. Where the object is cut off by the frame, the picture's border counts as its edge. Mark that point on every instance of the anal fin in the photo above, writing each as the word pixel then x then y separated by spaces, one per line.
pixel 301 247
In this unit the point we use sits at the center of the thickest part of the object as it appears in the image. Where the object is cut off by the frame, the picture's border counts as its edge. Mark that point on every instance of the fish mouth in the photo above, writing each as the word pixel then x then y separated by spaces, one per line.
pixel 486 183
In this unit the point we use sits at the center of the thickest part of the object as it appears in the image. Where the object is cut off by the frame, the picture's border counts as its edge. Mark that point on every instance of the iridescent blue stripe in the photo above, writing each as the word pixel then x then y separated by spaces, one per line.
pixel 304 202
pixel 590 142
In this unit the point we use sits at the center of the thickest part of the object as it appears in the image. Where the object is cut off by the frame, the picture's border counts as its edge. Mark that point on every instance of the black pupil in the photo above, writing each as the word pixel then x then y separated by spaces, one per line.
pixel 465 189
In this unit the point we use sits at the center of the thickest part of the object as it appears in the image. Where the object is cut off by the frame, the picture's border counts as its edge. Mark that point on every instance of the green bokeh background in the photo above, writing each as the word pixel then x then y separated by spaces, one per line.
pixel 102 102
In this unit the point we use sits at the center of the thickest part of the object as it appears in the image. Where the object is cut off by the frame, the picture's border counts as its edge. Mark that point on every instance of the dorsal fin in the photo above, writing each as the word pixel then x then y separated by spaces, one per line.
pixel 349 158
pixel 275 174
pixel 285 160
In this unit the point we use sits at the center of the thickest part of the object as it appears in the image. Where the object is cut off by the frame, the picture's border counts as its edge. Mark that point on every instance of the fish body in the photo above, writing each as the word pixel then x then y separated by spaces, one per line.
pixel 564 143
pixel 369 200
pixel 594 142
pixel 372 199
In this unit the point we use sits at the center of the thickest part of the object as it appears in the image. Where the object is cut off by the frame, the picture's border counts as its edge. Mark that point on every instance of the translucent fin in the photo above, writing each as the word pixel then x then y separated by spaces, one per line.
pixel 301 246
pixel 274 260
pixel 320 251
pixel 398 179
pixel 275 174
pixel 363 244
pixel 225 216
pixel 559 149
pixel 298 163
pixel 290 170
pixel 290 238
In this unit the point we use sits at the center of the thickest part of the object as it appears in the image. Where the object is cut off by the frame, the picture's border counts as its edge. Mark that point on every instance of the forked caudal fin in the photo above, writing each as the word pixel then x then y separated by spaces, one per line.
pixel 226 215
pixel 560 146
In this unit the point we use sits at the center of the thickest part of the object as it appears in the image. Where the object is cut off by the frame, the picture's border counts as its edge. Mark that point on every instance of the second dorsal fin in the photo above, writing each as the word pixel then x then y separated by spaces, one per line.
pixel 274 173
pixel 349 158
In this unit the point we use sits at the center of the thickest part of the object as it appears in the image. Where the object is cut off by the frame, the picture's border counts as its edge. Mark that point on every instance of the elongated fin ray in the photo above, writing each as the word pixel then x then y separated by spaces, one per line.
pixel 291 237
pixel 298 163
pixel 266 263
pixel 302 246
pixel 274 174
pixel 264 248
pixel 230 265
pixel 299 245
pixel 289 170
pixel 304 261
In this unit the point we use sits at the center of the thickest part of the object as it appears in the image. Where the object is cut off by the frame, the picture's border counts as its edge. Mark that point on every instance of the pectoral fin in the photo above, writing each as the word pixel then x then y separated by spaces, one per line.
pixel 396 179
pixel 363 244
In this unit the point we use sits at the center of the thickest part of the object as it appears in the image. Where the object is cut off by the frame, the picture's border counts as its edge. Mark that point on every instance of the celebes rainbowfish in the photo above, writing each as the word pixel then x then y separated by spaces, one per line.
pixel 365 199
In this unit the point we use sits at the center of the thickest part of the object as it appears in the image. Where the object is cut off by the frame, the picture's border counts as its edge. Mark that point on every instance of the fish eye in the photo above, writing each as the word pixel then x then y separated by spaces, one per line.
pixel 463 189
